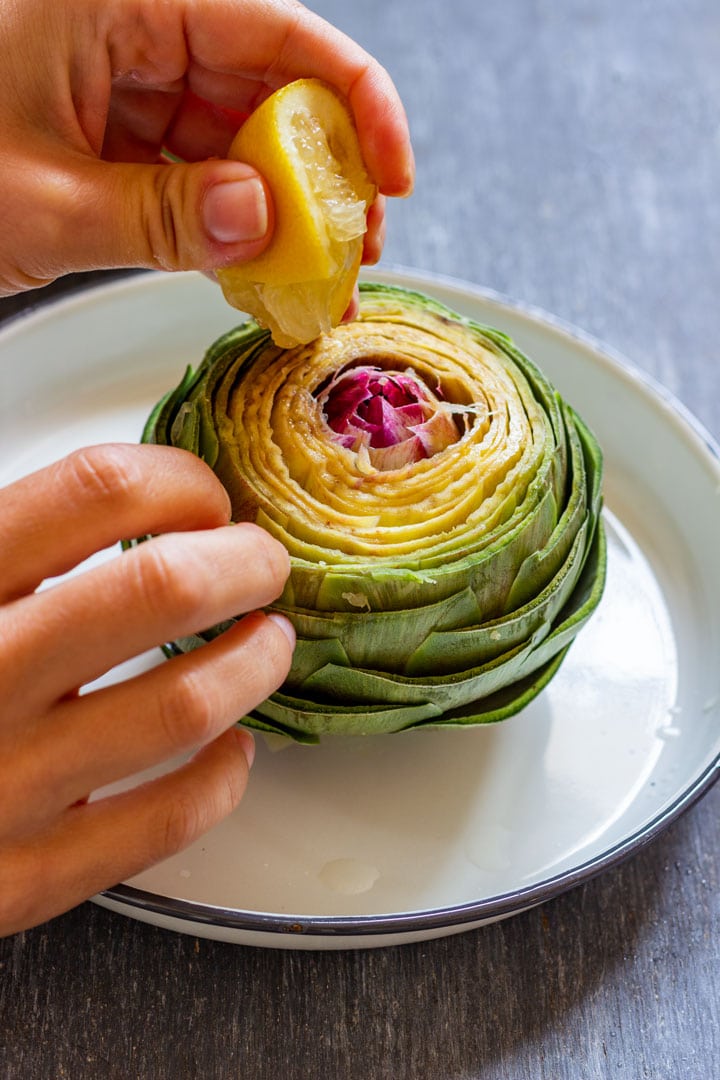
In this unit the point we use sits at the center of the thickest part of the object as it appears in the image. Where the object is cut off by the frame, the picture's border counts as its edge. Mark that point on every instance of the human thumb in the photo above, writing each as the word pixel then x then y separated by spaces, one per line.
pixel 198 216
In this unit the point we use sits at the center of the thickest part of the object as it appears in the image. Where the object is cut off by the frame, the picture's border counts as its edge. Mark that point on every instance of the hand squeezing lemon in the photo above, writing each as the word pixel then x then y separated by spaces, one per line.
pixel 303 141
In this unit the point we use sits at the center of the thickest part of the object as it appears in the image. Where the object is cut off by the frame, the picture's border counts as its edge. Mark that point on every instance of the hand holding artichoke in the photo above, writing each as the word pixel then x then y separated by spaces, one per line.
pixel 439 500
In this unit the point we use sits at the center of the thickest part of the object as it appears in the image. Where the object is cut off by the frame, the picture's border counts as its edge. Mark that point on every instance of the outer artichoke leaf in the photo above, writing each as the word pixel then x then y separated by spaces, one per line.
pixel 589 590
pixel 272 727
pixel 382 638
pixel 184 422
pixel 309 655
pixel 593 457
pixel 577 611
pixel 159 422
pixel 456 690
pixel 234 342
pixel 543 564
pixel 322 588
pixel 193 430
pixel 505 703
pixel 443 691
pixel 312 718
pixel 186 644
pixel 445 652
pixel 316 718
pixel 571 601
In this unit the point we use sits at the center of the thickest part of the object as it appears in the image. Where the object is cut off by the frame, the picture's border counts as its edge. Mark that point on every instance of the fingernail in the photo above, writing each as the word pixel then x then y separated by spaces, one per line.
pixel 248 745
pixel 236 210
pixel 285 625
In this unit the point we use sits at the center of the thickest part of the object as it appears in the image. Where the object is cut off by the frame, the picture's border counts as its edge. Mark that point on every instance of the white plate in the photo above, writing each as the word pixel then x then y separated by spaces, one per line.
pixel 384 840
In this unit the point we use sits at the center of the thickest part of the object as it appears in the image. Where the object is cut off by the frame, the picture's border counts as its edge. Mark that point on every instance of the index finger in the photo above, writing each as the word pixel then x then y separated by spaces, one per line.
pixel 174 586
pixel 52 519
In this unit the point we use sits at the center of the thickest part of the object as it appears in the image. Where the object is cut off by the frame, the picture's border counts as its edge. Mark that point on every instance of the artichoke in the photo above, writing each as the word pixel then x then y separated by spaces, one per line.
pixel 439 500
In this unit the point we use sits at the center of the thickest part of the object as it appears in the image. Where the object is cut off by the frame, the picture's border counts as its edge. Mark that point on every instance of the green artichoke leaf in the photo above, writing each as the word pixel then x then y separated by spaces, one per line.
pixel 311 654
pixel 544 563
pixel 505 703
pixel 381 638
pixel 271 726
pixel 292 715
pixel 317 718
pixel 443 691
pixel 453 650
pixel 161 417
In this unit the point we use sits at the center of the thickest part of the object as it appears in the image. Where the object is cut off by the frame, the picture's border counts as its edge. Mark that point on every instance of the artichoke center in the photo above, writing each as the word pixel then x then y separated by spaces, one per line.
pixel 389 418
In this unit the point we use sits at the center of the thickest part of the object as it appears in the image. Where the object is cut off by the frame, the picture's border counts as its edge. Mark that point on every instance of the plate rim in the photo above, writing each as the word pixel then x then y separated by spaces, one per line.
pixel 194 914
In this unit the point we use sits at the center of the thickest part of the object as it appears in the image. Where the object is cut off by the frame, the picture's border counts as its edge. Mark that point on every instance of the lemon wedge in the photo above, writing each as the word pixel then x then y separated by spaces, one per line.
pixel 302 139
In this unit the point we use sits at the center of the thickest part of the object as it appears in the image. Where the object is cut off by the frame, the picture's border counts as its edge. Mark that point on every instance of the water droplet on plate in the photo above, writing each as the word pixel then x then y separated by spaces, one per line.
pixel 349 876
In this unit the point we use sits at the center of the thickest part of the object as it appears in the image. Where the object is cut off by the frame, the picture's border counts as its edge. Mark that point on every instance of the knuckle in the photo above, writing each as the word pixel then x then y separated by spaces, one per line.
pixel 188 710
pixel 169 213
pixel 41 239
pixel 261 658
pixel 167 579
pixel 162 229
pixel 184 821
pixel 230 792
pixel 102 473
pixel 197 808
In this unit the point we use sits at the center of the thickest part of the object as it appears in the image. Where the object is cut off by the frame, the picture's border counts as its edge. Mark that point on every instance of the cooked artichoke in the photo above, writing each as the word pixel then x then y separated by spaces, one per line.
pixel 439 500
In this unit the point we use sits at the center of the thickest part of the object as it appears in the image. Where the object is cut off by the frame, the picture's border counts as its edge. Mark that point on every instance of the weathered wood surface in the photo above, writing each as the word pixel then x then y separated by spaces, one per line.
pixel 568 156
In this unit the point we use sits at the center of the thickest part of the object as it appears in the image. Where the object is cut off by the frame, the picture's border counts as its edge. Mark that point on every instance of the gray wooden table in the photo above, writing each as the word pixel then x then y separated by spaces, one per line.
pixel 568 156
